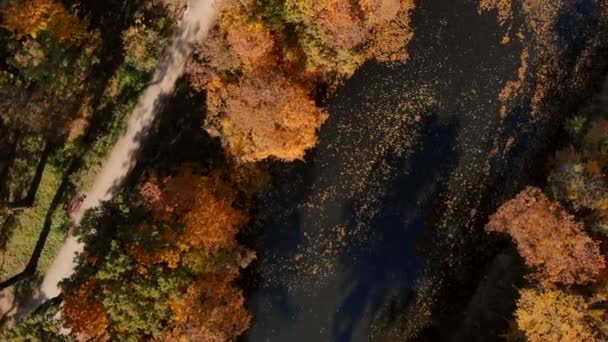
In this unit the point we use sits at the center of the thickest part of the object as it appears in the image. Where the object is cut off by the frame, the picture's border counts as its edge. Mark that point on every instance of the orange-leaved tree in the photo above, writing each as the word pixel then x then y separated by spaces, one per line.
pixel 212 310
pixel 213 221
pixel 30 17
pixel 83 313
pixel 266 114
pixel 552 243
pixel 169 198
pixel 251 42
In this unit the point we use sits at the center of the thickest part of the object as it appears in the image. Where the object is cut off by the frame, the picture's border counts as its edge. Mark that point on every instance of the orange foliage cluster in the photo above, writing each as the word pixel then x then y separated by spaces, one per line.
pixel 193 231
pixel 336 20
pixel 30 17
pixel 269 115
pixel 203 205
pixel 169 198
pixel 552 243
pixel 213 222
pixel 260 68
pixel 389 24
pixel 83 313
pixel 252 43
pixel 212 310
pixel 557 247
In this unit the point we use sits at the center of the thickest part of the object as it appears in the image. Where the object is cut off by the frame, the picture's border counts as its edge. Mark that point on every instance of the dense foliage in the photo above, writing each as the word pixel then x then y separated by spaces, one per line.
pixel 559 248
pixel 169 271
pixel 553 244
pixel 41 327
pixel 264 61
pixel 66 89
pixel 49 52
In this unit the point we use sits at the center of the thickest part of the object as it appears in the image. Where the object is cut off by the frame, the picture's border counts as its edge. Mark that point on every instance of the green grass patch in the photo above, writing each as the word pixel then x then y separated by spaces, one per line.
pixel 29 223
pixel 21 174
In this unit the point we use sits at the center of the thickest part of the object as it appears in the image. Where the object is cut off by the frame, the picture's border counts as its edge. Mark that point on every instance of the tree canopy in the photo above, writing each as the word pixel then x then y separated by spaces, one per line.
pixel 552 243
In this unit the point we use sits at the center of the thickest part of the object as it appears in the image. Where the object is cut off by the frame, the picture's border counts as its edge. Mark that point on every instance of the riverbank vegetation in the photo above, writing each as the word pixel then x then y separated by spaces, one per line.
pixel 163 259
pixel 167 267
pixel 266 63
pixel 66 89
pixel 562 234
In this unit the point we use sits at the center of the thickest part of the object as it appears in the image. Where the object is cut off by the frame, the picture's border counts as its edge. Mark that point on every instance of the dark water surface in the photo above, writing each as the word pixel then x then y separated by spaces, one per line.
pixel 408 149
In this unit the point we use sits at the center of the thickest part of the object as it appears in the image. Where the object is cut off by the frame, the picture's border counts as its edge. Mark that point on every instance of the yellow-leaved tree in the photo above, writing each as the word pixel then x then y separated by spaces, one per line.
pixel 30 17
pixel 554 315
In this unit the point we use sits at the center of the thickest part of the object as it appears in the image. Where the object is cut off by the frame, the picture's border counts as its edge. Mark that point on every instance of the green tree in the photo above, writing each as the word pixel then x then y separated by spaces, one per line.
pixel 41 326
pixel 136 298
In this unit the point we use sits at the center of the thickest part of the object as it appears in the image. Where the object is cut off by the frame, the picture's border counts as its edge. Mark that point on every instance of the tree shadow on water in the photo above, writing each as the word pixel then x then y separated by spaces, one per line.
pixel 385 264
pixel 275 234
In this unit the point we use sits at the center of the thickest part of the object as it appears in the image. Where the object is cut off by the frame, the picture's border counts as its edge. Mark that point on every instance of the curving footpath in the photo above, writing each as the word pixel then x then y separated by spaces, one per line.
pixel 194 27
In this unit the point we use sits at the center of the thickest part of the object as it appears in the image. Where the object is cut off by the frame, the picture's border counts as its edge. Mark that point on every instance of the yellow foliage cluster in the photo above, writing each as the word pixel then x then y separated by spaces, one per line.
pixel 554 315
pixel 268 115
pixel 30 17
pixel 549 312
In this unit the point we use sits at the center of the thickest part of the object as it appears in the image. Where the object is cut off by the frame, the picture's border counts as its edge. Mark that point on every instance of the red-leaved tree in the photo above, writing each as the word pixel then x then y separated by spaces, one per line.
pixel 552 243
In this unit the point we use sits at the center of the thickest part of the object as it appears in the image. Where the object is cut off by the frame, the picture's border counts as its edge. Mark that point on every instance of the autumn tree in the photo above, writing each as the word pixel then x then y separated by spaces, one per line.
pixel 154 243
pixel 552 243
pixel 554 315
pixel 47 61
pixel 576 181
pixel 262 61
pixel 265 114
pixel 83 313
pixel 252 42
pixel 30 17
pixel 168 272
pixel 389 22
pixel 212 310
pixel 171 197
pixel 213 222
pixel 212 58
pixel 337 36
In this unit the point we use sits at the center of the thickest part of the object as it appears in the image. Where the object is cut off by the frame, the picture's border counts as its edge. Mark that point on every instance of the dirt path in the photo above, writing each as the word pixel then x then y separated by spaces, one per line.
pixel 193 27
